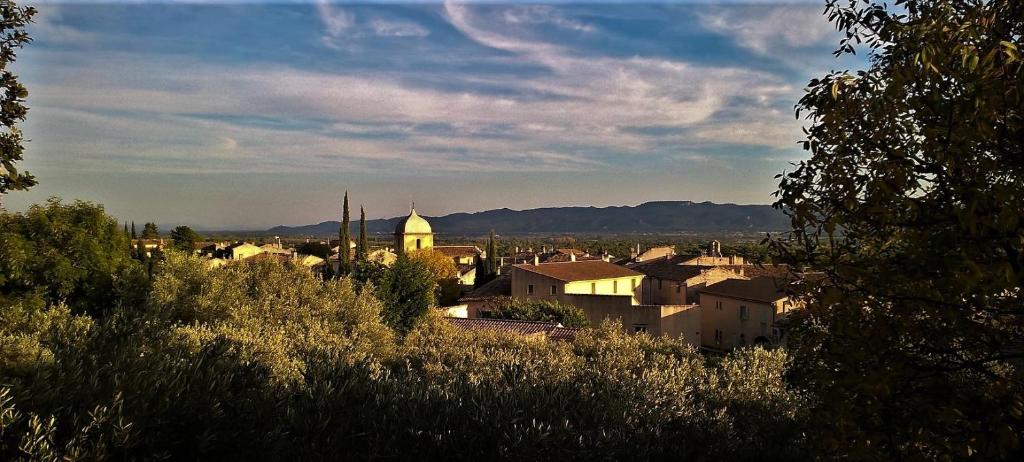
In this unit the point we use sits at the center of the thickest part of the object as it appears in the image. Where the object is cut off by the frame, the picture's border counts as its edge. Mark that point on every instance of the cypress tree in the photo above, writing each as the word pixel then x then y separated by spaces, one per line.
pixel 362 250
pixel 126 229
pixel 480 277
pixel 492 255
pixel 134 236
pixel 344 236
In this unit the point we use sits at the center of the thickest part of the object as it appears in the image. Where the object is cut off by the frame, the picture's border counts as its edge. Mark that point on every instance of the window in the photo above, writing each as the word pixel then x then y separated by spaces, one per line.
pixel 418 244
pixel 593 288
pixel 744 312
pixel 718 337
pixel 718 305
pixel 529 289
pixel 554 289
pixel 615 287
pixel 639 328
pixel 679 288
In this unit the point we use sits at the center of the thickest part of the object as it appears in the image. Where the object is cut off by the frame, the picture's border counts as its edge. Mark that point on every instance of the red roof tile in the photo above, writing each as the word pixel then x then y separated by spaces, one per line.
pixel 580 270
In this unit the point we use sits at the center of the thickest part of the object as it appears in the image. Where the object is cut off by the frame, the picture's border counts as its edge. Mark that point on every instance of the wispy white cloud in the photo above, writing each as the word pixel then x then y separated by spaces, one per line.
pixel 544 14
pixel 385 28
pixel 764 29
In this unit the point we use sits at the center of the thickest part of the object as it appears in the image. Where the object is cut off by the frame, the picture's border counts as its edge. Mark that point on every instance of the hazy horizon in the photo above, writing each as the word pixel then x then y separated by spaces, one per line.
pixel 246 115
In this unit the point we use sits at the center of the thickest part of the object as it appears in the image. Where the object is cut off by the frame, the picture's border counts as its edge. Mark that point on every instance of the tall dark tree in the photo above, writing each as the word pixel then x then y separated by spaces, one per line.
pixel 344 238
pixel 908 213
pixel 185 238
pixel 150 231
pixel 492 255
pixel 480 274
pixel 134 234
pixel 407 289
pixel 126 234
pixel 13 19
pixel 362 249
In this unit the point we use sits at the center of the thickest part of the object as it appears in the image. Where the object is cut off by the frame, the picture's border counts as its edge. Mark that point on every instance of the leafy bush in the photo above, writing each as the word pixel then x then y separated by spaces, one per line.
pixel 536 310
pixel 267 361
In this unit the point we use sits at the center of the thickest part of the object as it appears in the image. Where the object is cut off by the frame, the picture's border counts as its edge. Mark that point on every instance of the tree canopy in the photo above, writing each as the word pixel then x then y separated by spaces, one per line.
pixel 150 231
pixel 13 20
pixel 537 310
pixel 71 253
pixel 185 238
pixel 910 205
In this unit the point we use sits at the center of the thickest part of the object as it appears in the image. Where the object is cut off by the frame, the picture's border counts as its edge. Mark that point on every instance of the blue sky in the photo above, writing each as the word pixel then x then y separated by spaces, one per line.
pixel 251 114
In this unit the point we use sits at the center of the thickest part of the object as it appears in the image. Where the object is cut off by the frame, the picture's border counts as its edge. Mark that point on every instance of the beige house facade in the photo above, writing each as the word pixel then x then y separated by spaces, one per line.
pixel 737 313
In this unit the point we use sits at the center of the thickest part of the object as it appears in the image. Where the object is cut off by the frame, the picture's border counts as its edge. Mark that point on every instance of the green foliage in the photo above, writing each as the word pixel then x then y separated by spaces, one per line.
pixel 260 360
pixel 318 249
pixel 910 206
pixel 185 239
pixel 13 20
pixel 362 248
pixel 407 289
pixel 344 237
pixel 537 310
pixel 71 253
pixel 150 231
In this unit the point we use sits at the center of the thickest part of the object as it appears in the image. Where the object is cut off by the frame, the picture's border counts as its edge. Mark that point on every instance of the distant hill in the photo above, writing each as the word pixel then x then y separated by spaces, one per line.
pixel 649 217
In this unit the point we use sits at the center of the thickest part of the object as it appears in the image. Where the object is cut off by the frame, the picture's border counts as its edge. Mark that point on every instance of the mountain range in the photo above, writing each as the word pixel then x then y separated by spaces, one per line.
pixel 649 217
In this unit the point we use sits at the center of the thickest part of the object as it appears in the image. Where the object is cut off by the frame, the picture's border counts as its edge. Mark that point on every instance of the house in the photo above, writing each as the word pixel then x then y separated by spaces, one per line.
pixel 655 253
pixel 573 281
pixel 738 312
pixel 310 261
pixel 672 280
pixel 461 254
pixel 382 256
pixel 276 249
pixel 478 299
pixel 148 244
pixel 549 330
pixel 242 250
pixel 466 274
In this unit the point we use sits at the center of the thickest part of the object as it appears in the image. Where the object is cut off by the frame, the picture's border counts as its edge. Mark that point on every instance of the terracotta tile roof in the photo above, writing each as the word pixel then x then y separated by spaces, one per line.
pixel 669 268
pixel 551 330
pixel 458 250
pixel 499 287
pixel 761 270
pixel 580 270
pixel 763 289
pixel 563 333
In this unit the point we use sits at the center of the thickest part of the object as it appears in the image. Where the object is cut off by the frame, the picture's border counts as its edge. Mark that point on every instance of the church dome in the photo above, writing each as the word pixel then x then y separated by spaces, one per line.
pixel 413 224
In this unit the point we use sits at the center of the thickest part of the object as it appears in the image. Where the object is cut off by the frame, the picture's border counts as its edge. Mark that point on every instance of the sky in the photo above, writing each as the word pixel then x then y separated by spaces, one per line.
pixel 247 114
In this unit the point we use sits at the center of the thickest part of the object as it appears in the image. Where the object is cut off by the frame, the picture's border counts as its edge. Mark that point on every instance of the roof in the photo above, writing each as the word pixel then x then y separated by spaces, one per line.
pixel 669 268
pixel 656 252
pixel 580 270
pixel 498 287
pixel 763 289
pixel 413 224
pixel 552 330
pixel 760 270
pixel 458 250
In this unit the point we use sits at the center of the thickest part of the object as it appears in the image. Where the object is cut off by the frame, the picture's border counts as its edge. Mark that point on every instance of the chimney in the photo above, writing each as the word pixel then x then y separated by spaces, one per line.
pixel 536 260
pixel 572 256
pixel 517 249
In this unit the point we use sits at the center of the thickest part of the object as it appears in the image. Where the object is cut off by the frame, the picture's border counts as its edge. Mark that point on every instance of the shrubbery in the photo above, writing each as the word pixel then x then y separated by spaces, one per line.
pixel 262 360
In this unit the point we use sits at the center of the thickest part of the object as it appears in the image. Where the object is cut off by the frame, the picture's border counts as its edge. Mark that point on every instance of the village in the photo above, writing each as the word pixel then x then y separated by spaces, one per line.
pixel 710 301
